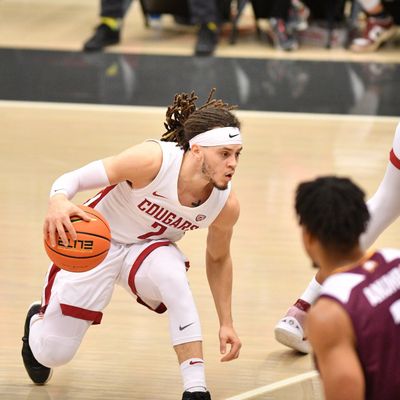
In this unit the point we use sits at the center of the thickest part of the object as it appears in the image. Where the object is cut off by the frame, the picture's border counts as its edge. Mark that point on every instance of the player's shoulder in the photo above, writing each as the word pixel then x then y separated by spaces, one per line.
pixel 139 163
pixel 326 320
pixel 341 284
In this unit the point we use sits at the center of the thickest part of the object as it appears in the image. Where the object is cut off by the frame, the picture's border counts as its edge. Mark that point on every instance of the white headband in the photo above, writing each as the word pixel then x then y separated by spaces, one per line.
pixel 217 137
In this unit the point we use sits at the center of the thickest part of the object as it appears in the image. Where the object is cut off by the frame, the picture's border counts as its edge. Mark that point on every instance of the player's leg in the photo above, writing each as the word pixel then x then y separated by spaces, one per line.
pixel 162 278
pixel 71 303
pixel 39 373
pixel 290 329
pixel 50 340
pixel 384 208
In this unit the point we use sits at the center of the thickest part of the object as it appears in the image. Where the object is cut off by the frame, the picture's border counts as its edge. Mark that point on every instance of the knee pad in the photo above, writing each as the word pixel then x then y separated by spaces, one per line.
pixel 55 351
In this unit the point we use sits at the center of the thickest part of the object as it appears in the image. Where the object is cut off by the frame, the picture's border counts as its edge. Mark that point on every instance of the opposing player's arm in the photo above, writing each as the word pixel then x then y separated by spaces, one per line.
pixel 331 335
pixel 219 274
pixel 138 165
pixel 384 206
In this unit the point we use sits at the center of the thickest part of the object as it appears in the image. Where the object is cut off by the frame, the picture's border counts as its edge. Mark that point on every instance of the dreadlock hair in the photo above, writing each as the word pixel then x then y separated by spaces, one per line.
pixel 333 210
pixel 185 121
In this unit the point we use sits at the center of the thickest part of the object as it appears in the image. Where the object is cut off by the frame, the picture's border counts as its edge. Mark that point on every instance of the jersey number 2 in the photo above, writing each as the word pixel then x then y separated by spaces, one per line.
pixel 160 230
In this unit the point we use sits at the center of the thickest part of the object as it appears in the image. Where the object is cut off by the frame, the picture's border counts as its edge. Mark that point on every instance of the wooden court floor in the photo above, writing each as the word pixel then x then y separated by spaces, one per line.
pixel 129 355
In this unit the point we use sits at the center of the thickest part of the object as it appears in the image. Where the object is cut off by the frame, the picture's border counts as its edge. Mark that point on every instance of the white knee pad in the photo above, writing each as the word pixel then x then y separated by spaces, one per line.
pixel 163 278
pixel 54 351
pixel 55 338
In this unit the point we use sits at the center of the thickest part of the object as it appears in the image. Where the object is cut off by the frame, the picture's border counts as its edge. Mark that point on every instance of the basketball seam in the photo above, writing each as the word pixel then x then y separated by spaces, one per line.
pixel 97 216
pixel 94 234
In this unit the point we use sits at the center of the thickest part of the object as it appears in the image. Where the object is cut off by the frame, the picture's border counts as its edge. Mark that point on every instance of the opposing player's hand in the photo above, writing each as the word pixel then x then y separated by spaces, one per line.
pixel 58 220
pixel 228 336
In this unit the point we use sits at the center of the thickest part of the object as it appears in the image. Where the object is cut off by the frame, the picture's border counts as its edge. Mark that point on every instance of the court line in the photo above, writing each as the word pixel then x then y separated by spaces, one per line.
pixel 274 386
pixel 151 109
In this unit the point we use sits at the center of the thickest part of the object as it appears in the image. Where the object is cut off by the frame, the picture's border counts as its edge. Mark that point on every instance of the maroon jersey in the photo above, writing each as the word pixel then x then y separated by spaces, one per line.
pixel 370 294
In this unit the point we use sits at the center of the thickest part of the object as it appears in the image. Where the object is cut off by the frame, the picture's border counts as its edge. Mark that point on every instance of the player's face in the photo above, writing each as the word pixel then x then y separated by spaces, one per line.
pixel 220 163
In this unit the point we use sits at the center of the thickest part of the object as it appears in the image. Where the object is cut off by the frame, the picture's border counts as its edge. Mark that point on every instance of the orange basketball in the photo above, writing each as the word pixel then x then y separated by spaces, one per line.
pixel 88 250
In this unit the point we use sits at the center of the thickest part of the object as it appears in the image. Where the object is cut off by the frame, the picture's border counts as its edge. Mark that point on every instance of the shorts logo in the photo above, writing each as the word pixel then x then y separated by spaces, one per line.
pixel 200 217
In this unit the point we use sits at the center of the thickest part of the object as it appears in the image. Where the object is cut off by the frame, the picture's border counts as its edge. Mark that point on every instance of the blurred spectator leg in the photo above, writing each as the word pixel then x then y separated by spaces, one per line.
pixel 108 32
pixel 379 27
pixel 205 14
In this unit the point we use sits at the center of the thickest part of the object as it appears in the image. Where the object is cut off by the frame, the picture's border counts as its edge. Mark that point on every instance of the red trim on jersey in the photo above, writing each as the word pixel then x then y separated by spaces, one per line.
pixel 135 267
pixel 101 195
pixel 54 270
pixel 82 313
pixel 394 160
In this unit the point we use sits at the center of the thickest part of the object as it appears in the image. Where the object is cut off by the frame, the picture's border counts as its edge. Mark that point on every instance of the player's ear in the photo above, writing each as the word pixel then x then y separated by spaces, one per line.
pixel 197 151
pixel 308 239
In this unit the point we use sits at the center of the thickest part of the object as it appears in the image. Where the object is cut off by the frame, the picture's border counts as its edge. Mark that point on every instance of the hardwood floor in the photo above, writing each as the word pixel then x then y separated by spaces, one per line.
pixel 129 355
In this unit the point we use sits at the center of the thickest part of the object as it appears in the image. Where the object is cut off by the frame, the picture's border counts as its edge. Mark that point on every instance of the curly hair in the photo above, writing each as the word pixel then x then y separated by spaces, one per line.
pixel 184 120
pixel 333 210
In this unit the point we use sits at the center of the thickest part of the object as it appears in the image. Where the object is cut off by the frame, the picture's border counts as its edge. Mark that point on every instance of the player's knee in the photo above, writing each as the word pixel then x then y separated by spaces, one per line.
pixel 175 285
pixel 56 351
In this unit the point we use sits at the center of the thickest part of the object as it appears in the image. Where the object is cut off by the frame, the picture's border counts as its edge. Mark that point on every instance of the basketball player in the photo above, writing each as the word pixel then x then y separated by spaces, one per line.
pixel 354 327
pixel 155 192
pixel 384 208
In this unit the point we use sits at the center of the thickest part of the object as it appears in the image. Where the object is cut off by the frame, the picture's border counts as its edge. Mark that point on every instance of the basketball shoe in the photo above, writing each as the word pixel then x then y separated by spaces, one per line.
pixel 196 396
pixel 103 36
pixel 290 329
pixel 378 30
pixel 207 39
pixel 36 371
pixel 282 37
pixel 298 16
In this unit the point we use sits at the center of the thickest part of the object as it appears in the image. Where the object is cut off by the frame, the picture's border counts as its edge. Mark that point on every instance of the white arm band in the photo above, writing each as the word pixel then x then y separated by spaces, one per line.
pixel 91 176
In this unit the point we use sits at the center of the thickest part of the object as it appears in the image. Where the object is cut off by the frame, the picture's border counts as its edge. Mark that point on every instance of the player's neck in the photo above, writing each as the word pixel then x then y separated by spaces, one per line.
pixel 336 262
pixel 193 187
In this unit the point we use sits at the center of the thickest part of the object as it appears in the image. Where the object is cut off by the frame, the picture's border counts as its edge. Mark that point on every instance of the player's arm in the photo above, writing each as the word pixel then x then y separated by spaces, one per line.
pixel 384 205
pixel 331 335
pixel 138 165
pixel 219 274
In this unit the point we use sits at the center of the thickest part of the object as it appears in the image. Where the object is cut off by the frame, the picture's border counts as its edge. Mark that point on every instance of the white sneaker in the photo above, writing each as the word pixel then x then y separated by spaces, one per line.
pixel 289 330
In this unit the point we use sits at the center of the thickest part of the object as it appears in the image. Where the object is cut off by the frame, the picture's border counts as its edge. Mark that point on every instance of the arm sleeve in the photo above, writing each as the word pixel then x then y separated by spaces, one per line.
pixel 384 205
pixel 91 176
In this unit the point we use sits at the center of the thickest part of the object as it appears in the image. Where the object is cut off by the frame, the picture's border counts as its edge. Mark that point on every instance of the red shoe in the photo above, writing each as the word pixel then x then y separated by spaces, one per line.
pixel 377 32
pixel 290 329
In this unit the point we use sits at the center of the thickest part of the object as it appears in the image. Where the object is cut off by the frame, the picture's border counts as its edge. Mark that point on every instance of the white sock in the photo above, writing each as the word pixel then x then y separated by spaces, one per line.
pixel 312 292
pixel 193 376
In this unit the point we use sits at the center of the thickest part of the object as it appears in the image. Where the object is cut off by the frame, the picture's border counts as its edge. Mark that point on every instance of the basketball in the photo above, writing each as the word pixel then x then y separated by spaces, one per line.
pixel 88 250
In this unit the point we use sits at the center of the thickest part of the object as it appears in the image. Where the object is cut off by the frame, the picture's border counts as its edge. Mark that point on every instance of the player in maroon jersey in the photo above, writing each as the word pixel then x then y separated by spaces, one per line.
pixel 354 326
pixel 384 208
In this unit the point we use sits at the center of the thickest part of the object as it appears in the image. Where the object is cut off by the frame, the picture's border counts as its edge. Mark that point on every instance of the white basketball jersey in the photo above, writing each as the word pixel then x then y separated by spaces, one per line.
pixel 154 212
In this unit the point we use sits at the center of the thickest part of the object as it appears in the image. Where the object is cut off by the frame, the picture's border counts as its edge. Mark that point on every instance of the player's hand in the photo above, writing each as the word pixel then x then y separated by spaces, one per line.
pixel 228 336
pixel 57 220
